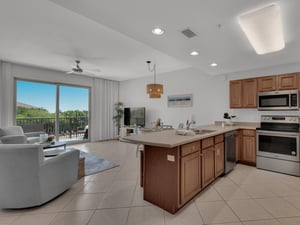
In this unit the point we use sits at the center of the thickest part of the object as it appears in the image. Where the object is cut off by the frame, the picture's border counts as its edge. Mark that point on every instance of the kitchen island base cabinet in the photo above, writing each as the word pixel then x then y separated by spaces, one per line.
pixel 190 176
pixel 208 166
pixel 219 159
pixel 161 177
pixel 173 176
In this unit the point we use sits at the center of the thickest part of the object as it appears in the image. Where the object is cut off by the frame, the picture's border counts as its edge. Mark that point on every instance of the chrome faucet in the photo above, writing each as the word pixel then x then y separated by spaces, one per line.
pixel 188 124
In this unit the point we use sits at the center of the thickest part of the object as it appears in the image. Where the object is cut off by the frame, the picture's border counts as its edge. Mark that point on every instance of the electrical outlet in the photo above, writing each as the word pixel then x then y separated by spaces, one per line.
pixel 171 158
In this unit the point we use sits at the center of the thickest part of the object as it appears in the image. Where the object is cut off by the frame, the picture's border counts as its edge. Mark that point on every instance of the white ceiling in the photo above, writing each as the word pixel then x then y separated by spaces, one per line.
pixel 113 37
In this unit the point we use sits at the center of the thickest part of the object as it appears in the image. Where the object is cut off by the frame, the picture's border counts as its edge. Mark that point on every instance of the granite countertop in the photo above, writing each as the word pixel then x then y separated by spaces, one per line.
pixel 169 138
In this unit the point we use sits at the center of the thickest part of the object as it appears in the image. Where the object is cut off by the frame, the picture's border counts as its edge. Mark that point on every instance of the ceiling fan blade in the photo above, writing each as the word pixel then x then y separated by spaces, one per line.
pixel 93 71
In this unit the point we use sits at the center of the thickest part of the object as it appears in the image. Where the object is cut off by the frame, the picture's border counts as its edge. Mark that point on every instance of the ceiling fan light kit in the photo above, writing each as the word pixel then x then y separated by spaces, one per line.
pixel 76 69
pixel 154 90
pixel 263 28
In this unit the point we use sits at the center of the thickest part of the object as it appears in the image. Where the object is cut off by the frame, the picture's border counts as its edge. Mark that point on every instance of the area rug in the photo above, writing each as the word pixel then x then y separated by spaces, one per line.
pixel 95 164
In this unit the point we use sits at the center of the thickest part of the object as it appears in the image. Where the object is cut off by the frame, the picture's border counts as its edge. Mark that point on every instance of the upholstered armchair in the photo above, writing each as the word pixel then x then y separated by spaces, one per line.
pixel 15 135
pixel 28 179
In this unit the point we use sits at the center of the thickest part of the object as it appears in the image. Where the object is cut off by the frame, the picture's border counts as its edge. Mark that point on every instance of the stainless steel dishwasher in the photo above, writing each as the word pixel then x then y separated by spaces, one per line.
pixel 230 148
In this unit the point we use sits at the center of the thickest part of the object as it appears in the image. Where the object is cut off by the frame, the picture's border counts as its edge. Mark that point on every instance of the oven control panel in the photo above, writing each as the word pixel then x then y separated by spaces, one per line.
pixel 280 119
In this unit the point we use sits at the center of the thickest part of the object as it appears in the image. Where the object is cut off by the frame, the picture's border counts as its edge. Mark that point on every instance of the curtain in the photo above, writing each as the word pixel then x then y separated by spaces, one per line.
pixel 104 95
pixel 6 95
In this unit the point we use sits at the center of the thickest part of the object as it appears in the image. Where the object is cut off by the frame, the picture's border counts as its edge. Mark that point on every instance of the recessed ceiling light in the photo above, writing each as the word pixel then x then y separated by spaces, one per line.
pixel 213 64
pixel 158 31
pixel 263 28
pixel 193 53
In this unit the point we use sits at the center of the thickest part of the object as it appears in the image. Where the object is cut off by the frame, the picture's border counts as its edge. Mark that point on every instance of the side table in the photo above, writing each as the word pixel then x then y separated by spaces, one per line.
pixel 81 167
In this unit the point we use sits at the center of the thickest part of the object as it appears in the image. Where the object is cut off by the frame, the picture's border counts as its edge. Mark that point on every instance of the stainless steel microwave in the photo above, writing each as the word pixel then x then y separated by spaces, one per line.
pixel 278 100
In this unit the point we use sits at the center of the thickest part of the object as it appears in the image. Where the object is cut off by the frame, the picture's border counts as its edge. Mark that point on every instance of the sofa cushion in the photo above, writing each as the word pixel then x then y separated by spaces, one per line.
pixel 14 130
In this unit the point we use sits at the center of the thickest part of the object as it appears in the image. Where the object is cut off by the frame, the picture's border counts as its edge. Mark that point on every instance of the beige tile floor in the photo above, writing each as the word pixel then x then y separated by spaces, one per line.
pixel 246 196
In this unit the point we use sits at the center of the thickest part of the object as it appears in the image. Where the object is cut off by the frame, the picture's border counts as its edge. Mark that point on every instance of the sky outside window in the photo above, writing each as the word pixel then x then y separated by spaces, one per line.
pixel 73 98
pixel 43 95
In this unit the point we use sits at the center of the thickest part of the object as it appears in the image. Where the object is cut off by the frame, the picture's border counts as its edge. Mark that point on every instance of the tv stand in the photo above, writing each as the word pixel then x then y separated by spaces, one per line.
pixel 126 131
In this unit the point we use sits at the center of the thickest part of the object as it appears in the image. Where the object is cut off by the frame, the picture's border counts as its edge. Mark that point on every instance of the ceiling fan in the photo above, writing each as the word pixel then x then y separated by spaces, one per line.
pixel 76 69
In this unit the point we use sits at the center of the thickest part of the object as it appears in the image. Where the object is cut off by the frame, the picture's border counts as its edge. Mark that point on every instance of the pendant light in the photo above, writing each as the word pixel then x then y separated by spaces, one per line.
pixel 154 90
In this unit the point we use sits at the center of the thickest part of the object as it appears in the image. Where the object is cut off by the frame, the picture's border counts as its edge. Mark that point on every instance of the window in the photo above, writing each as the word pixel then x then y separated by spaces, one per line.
pixel 59 109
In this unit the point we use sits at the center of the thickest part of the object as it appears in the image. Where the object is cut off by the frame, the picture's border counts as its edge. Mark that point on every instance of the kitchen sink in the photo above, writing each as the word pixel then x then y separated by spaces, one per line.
pixel 193 131
pixel 202 131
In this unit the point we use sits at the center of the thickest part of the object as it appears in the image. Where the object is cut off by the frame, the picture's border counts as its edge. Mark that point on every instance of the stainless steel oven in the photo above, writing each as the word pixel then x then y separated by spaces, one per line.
pixel 278 144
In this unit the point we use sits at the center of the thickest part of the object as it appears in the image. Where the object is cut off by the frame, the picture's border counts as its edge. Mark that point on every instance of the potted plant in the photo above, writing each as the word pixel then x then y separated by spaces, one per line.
pixel 118 114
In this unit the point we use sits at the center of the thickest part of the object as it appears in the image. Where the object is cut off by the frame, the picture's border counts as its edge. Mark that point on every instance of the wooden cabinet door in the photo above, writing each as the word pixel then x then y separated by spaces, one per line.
pixel 249 93
pixel 287 81
pixel 238 146
pixel 190 176
pixel 219 159
pixel 267 83
pixel 249 149
pixel 235 87
pixel 208 166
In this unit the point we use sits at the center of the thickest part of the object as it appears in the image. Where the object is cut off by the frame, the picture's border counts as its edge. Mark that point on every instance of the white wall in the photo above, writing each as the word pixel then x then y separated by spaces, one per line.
pixel 209 97
pixel 10 71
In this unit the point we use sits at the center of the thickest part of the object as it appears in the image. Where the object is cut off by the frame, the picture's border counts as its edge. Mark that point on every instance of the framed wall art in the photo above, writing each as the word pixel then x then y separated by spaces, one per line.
pixel 185 100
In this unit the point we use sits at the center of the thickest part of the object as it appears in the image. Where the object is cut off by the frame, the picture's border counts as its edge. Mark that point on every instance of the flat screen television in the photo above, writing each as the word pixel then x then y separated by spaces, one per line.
pixel 134 116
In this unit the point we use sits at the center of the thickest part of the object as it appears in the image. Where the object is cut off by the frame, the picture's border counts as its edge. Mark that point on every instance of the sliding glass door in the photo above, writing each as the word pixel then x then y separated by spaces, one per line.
pixel 57 109
pixel 73 112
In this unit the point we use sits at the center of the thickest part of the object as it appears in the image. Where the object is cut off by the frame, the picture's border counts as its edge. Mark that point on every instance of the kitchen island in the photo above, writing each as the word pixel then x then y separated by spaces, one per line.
pixel 175 167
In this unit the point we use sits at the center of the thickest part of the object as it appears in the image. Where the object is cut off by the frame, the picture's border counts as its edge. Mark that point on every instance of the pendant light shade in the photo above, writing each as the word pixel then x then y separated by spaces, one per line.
pixel 154 90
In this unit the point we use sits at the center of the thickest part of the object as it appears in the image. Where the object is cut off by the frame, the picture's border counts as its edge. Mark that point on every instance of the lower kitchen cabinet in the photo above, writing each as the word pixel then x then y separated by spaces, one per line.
pixel 238 146
pixel 173 176
pixel 219 159
pixel 190 176
pixel 208 161
pixel 212 159
pixel 248 147
pixel 208 166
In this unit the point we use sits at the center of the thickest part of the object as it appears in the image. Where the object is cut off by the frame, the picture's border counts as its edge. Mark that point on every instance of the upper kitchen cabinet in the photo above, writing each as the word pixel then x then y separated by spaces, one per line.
pixel 243 93
pixel 288 81
pixel 280 82
pixel 249 91
pixel 268 83
pixel 236 94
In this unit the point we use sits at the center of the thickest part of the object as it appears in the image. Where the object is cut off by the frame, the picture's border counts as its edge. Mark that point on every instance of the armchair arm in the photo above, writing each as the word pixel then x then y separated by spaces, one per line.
pixel 59 173
pixel 14 139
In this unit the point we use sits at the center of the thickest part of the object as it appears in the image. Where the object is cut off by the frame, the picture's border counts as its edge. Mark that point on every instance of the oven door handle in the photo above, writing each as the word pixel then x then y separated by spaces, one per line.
pixel 277 133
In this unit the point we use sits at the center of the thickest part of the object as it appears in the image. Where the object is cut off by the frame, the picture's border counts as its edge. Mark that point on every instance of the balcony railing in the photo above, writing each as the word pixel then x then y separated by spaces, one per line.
pixel 68 126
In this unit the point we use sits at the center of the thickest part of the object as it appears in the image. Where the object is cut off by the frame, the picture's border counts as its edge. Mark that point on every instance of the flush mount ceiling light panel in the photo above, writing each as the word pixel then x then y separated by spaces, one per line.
pixel 263 28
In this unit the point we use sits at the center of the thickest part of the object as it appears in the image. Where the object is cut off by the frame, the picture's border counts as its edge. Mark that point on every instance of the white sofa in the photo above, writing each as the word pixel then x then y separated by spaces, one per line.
pixel 15 135
pixel 28 179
